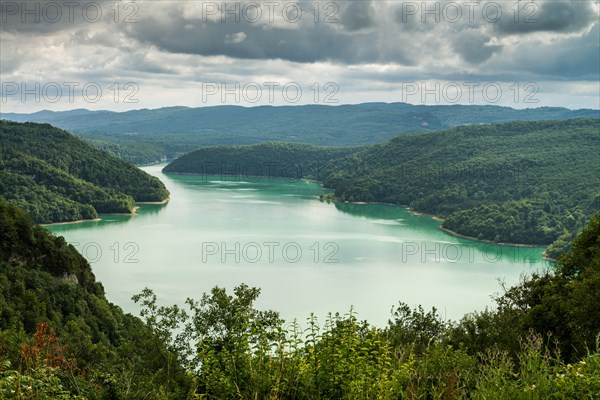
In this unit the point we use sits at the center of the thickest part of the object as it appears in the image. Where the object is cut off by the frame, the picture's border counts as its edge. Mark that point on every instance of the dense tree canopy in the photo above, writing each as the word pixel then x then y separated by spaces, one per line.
pixel 44 280
pixel 56 177
pixel 519 182
pixel 144 136
pixel 61 339
pixel 273 159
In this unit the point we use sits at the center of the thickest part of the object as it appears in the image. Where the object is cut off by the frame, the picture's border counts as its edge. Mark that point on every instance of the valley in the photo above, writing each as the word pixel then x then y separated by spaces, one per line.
pixel 338 200
pixel 307 239
pixel 304 254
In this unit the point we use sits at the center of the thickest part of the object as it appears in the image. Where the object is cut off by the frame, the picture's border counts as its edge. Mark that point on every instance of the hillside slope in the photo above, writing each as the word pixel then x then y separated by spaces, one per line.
pixel 520 182
pixel 271 159
pixel 56 177
pixel 84 344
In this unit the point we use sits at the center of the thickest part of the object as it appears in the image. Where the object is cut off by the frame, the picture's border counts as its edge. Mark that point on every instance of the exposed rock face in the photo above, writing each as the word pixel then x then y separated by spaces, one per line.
pixel 68 278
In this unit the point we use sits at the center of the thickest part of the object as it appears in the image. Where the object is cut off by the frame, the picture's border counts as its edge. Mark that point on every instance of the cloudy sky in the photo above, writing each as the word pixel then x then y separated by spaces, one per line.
pixel 122 55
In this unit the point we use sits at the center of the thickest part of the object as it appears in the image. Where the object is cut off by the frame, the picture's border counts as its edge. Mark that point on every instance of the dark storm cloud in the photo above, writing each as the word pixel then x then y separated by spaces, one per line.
pixel 474 47
pixel 253 42
pixel 559 16
pixel 361 31
pixel 345 34
pixel 357 15
pixel 572 58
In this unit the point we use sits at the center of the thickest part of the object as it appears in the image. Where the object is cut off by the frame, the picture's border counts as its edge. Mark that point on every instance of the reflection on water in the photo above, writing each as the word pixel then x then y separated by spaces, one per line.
pixel 442 245
pixel 106 220
pixel 305 255
pixel 151 209
pixel 375 211
pixel 266 186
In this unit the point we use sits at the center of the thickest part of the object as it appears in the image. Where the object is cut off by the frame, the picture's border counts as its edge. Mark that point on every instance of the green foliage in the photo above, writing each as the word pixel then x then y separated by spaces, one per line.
pixel 238 354
pixel 61 339
pixel 417 327
pixel 144 136
pixel 288 160
pixel 514 352
pixel 42 383
pixel 519 182
pixel 44 280
pixel 564 305
pixel 56 177
pixel 139 153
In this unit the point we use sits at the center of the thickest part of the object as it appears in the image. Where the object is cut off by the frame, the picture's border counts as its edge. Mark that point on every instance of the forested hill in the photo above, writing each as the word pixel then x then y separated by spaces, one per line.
pixel 94 348
pixel 317 124
pixel 271 159
pixel 57 177
pixel 519 182
pixel 146 135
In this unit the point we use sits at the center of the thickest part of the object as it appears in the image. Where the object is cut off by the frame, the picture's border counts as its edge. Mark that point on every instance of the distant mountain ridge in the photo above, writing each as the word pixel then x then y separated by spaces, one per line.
pixel 145 136
pixel 382 119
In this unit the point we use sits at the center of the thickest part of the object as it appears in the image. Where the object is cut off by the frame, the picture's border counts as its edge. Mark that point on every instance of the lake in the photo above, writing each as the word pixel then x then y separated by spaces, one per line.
pixel 306 255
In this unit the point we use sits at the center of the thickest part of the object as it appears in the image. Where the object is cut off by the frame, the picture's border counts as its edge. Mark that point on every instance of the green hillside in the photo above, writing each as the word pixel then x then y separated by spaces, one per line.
pixel 272 159
pixel 57 177
pixel 519 182
pixel 83 345
pixel 149 135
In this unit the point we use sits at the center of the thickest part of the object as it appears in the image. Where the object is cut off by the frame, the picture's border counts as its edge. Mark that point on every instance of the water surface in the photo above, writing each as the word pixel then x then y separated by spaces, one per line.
pixel 304 254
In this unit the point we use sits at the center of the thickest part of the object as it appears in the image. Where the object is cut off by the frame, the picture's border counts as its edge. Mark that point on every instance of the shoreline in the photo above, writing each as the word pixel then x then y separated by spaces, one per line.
pixel 451 232
pixel 435 218
pixel 71 222
pixel 140 166
pixel 165 201
pixel 132 214
pixel 239 178
pixel 414 212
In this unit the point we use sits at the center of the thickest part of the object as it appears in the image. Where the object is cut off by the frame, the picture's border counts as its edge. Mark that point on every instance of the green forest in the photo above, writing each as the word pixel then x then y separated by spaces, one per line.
pixel 60 338
pixel 272 159
pixel 149 135
pixel 57 177
pixel 534 182
pixel 136 152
